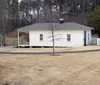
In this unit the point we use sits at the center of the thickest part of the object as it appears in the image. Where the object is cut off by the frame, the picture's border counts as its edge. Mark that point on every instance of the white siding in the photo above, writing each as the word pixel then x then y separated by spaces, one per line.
pixel 88 37
pixel 95 41
pixel 77 38
pixel 98 41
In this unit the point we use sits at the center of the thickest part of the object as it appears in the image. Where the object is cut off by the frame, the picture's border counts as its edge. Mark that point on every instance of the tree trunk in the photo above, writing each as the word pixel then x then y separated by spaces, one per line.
pixel 61 7
pixel 2 19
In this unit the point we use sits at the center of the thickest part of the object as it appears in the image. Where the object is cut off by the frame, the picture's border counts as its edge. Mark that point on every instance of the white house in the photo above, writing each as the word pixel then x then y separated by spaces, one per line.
pixel 66 34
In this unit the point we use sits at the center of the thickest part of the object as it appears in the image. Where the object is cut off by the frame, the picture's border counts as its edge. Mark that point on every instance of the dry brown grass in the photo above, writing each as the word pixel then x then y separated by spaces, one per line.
pixel 69 69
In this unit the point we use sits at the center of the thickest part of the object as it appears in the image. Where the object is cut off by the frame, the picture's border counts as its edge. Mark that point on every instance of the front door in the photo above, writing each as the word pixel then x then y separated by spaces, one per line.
pixel 84 38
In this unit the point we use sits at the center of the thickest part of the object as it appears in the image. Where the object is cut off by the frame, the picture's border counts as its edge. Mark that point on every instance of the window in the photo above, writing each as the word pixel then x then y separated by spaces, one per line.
pixel 41 37
pixel 68 37
pixel 88 36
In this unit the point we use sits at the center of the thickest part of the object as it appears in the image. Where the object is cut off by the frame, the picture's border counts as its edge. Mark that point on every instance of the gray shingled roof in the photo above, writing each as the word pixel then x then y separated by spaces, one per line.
pixel 57 26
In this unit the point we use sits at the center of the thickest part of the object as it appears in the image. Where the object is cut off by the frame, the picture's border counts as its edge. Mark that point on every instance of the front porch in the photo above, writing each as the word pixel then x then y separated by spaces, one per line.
pixel 23 38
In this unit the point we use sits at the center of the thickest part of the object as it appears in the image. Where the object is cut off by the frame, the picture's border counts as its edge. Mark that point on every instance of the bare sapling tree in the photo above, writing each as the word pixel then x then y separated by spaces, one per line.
pixel 53 40
pixel 52 27
pixel 55 36
pixel 52 30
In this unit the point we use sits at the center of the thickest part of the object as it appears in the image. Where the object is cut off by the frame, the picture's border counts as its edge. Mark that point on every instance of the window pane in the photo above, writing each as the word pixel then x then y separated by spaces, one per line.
pixel 88 36
pixel 41 37
pixel 68 37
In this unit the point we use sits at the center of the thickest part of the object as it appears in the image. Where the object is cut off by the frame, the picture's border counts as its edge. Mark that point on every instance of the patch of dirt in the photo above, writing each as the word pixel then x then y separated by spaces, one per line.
pixel 67 69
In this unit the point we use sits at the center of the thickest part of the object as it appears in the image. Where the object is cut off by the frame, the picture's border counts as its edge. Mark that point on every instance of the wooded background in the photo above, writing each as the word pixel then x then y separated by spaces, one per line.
pixel 15 14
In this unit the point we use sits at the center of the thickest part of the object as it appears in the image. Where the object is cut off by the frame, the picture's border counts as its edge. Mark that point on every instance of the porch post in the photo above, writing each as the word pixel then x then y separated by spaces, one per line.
pixel 18 37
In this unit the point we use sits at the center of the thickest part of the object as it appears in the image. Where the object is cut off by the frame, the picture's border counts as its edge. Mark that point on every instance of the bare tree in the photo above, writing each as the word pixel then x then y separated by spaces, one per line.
pixel 2 18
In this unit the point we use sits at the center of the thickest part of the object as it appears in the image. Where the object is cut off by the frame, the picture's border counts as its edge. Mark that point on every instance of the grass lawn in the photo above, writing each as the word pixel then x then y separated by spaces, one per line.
pixel 67 69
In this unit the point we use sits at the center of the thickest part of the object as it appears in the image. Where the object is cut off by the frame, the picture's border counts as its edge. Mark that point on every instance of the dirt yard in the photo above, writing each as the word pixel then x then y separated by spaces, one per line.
pixel 67 69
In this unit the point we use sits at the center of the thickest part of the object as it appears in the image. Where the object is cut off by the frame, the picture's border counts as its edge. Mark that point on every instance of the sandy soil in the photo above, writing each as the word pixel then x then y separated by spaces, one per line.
pixel 68 69
pixel 9 49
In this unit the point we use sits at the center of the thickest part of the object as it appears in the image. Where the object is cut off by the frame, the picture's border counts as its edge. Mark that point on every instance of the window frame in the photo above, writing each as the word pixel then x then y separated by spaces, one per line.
pixel 41 37
pixel 88 36
pixel 69 37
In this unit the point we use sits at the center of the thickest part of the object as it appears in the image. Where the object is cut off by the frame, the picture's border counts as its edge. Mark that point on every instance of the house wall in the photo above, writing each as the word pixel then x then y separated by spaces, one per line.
pixel 88 37
pixel 77 38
